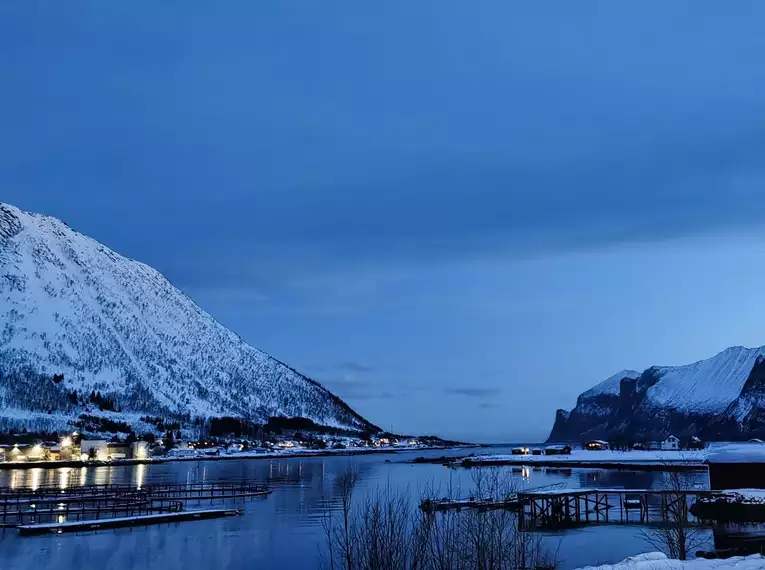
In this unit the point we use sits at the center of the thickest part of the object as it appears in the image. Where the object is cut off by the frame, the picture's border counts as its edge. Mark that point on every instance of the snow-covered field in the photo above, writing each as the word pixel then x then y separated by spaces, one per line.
pixel 659 561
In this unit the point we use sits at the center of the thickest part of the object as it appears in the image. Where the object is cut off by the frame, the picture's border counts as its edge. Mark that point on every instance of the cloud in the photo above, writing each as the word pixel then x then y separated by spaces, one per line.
pixel 349 387
pixel 473 392
pixel 353 366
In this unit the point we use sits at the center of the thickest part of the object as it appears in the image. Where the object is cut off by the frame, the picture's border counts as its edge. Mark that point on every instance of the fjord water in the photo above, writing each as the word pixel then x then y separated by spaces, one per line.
pixel 284 530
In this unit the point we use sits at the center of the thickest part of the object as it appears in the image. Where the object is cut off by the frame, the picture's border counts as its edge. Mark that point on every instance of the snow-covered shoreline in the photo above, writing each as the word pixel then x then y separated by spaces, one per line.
pixel 281 454
pixel 579 457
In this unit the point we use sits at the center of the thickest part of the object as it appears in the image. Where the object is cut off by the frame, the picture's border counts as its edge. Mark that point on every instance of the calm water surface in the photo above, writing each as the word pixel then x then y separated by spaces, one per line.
pixel 283 531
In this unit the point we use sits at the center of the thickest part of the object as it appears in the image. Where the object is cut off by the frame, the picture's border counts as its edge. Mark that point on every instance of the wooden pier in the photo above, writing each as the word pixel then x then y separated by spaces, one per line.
pixel 92 525
pixel 568 508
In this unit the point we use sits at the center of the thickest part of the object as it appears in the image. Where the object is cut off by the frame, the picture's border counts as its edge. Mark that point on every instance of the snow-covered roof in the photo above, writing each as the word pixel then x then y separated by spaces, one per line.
pixel 671 437
pixel 737 453
pixel 600 441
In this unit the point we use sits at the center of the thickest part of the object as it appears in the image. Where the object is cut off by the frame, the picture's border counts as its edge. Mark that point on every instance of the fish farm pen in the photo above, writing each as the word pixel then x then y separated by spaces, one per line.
pixel 55 509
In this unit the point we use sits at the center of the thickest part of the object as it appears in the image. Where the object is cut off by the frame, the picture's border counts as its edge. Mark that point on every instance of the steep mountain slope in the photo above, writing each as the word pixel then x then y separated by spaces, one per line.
pixel 70 306
pixel 722 397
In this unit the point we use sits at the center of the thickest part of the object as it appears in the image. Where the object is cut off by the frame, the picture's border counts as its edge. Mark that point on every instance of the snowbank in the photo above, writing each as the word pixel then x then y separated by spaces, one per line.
pixel 659 561
pixel 751 496
pixel 738 453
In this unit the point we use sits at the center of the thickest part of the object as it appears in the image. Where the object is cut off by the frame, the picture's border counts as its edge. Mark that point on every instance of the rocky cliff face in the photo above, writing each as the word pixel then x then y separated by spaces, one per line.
pixel 721 398
pixel 77 318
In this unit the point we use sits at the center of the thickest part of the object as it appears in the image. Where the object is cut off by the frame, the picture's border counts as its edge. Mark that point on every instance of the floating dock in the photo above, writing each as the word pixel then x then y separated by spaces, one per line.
pixel 119 522
pixel 437 505
pixel 509 502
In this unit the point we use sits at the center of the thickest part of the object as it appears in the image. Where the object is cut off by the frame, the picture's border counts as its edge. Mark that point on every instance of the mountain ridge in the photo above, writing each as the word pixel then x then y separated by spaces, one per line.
pixel 718 398
pixel 72 307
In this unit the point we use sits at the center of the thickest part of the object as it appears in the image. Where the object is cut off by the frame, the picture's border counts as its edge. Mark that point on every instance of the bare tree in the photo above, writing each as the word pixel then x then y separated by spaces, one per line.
pixel 386 532
pixel 676 536
pixel 339 536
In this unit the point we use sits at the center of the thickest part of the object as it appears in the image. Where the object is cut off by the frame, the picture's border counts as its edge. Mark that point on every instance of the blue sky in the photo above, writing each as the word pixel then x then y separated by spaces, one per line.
pixel 457 215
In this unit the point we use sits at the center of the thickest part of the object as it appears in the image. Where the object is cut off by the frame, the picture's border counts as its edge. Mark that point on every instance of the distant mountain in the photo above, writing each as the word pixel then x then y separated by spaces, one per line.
pixel 721 398
pixel 85 330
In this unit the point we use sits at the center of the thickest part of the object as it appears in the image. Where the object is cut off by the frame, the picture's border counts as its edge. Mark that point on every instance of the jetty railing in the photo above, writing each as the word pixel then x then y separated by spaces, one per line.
pixel 567 508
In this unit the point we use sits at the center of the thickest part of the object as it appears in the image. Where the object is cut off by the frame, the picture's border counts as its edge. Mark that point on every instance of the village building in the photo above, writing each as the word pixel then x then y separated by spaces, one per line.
pixel 596 445
pixel 139 450
pixel 117 450
pixel 670 444
pixel 558 450
pixel 695 443
pixel 94 449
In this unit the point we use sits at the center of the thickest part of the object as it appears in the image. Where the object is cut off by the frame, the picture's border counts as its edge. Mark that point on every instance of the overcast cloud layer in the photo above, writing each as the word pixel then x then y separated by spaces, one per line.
pixel 456 215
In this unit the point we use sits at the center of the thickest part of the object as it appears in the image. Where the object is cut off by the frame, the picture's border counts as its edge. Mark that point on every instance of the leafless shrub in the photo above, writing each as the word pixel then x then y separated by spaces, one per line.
pixel 386 532
pixel 676 537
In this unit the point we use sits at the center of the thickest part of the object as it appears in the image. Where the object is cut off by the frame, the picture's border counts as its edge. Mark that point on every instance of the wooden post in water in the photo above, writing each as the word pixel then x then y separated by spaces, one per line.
pixel 645 501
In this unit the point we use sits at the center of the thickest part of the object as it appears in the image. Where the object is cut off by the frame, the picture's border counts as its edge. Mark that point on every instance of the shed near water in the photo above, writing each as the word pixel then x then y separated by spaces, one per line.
pixel 737 466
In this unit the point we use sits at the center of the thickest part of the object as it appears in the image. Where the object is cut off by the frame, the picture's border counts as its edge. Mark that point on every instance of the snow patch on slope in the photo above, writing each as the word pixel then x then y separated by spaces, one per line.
pixel 707 385
pixel 611 385
pixel 69 305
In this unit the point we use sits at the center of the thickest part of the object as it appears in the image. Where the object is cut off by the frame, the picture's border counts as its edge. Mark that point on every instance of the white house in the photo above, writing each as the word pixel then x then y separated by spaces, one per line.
pixel 670 444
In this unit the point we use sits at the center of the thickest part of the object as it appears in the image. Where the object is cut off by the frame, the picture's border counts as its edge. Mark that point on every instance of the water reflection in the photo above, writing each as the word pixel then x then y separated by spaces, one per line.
pixel 63 478
pixel 35 478
pixel 284 530
pixel 140 473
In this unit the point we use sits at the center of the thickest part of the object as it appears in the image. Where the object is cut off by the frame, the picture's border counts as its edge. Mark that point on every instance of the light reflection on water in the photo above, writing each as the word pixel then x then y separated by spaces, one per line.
pixel 35 478
pixel 63 477
pixel 284 530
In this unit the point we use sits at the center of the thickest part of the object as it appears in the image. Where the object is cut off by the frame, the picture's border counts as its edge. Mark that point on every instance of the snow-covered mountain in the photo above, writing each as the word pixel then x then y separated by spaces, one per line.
pixel 722 397
pixel 71 307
